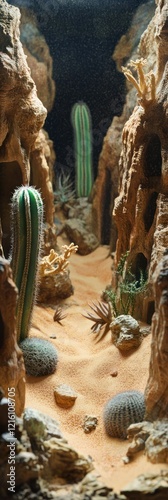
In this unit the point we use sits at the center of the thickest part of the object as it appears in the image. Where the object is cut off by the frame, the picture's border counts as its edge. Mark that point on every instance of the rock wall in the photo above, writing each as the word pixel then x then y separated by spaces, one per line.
pixel 133 161
pixel 141 209
pixel 12 371
pixel 106 187
pixel 22 114
pixel 156 393
pixel 38 57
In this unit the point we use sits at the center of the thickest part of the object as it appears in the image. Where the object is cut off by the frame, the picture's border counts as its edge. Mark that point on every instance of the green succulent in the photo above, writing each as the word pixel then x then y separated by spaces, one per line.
pixel 64 189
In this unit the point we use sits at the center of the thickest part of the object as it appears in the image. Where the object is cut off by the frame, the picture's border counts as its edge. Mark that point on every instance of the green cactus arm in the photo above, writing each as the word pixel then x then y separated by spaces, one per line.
pixel 27 221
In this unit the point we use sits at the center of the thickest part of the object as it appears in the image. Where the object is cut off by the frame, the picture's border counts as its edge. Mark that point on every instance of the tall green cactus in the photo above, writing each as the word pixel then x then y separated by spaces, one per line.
pixel 27 221
pixel 81 121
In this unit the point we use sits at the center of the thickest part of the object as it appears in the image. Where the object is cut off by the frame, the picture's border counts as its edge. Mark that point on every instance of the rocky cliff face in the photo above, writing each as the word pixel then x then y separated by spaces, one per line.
pixel 38 57
pixel 23 159
pixel 141 209
pixel 106 187
pixel 22 151
pixel 134 158
pixel 157 387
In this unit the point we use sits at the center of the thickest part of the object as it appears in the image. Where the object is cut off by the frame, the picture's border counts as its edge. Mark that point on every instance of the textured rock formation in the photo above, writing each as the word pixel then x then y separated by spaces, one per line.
pixel 24 149
pixel 22 113
pixel 79 225
pixel 38 57
pixel 156 394
pixel 126 333
pixel 41 175
pixel 148 486
pixel 105 188
pixel 11 360
pixel 90 423
pixel 41 455
pixel 141 209
pixel 53 287
pixel 151 437
pixel 26 152
pixel 42 156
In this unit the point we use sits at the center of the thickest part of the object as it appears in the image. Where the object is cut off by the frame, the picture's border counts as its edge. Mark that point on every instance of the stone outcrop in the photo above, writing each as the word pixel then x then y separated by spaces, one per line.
pixel 156 393
pixel 26 152
pixel 22 146
pixel 151 437
pixel 105 188
pixel 141 209
pixel 11 359
pixel 148 486
pixel 38 56
pixel 79 225
pixel 125 332
pixel 152 434
pixel 41 455
pixel 41 175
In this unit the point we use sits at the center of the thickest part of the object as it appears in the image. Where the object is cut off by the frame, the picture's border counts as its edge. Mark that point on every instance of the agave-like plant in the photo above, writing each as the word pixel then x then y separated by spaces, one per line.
pixel 64 191
pixel 102 316
pixel 58 315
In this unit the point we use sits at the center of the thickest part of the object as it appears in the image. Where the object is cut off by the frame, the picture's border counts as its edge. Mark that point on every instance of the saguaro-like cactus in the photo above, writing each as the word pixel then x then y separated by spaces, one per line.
pixel 27 221
pixel 81 121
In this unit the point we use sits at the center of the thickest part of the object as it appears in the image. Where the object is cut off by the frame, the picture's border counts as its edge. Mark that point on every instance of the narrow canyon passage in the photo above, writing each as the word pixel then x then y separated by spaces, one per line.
pixel 86 365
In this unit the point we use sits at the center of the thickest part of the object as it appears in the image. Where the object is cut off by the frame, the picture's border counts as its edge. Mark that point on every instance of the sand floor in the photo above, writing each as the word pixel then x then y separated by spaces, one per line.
pixel 86 365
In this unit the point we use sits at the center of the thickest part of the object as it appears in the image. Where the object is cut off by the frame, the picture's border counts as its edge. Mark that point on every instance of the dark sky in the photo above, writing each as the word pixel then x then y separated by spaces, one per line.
pixel 82 35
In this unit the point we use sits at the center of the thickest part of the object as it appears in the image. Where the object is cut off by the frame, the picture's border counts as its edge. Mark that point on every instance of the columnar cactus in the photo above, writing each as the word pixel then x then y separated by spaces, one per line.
pixel 123 410
pixel 27 221
pixel 81 121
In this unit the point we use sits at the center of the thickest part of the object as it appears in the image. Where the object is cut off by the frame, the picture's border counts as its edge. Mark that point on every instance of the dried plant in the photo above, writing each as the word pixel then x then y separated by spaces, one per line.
pixel 56 263
pixel 64 190
pixel 58 315
pixel 145 85
pixel 102 316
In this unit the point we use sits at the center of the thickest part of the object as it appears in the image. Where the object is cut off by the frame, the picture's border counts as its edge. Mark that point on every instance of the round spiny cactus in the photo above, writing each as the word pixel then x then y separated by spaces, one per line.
pixel 123 410
pixel 40 356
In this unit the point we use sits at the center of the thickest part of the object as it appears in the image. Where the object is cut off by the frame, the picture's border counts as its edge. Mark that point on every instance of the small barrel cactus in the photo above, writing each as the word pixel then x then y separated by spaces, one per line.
pixel 123 410
pixel 40 356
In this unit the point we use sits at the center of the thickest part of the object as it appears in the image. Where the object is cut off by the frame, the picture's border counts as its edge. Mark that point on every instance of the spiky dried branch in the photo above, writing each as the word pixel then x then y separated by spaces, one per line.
pixel 102 316
pixel 58 315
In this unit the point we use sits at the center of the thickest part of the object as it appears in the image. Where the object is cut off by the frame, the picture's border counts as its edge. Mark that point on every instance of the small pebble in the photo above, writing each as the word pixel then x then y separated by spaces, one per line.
pixel 114 374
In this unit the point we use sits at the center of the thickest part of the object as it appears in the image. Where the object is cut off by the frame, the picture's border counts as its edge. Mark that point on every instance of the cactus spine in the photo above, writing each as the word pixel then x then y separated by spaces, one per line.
pixel 81 121
pixel 27 221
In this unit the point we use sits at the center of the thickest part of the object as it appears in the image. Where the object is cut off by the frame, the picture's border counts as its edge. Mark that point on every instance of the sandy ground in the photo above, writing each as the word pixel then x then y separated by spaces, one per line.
pixel 86 365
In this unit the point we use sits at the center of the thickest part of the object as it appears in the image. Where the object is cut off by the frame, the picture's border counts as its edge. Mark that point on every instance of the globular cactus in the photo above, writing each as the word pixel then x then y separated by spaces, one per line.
pixel 123 410
pixel 26 228
pixel 40 356
pixel 81 121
